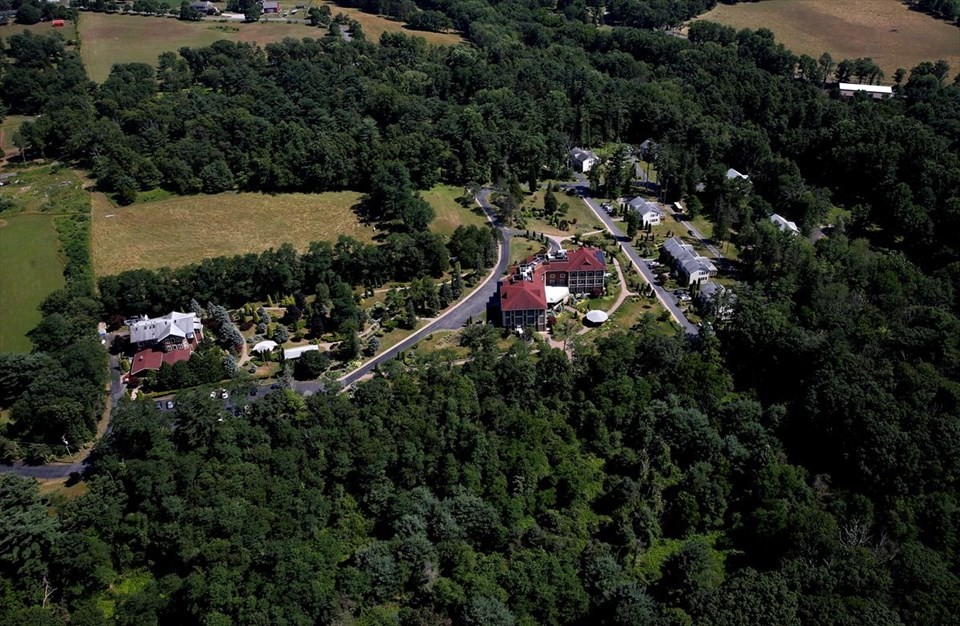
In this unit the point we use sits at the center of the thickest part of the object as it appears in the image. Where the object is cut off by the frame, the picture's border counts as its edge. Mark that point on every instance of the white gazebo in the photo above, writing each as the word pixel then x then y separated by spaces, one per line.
pixel 265 346
pixel 597 317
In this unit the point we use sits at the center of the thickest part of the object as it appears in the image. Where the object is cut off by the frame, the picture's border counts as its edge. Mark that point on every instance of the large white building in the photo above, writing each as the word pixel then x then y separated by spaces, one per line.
pixel 690 266
pixel 173 331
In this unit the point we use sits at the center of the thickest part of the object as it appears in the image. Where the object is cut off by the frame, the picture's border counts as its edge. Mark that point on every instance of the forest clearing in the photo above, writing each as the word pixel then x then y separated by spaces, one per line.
pixel 182 230
pixel 884 30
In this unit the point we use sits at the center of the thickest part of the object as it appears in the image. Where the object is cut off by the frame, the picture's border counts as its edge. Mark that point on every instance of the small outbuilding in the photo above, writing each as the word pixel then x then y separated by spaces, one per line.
pixel 295 353
pixel 58 23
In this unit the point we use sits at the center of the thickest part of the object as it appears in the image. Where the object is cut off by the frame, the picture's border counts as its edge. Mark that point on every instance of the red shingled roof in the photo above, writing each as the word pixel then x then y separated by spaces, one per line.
pixel 522 295
pixel 151 359
pixel 580 260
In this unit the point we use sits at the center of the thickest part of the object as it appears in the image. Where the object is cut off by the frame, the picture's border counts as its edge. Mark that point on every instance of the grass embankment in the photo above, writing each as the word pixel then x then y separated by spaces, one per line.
pixel 884 30
pixel 181 230
pixel 30 269
pixel 375 25
pixel 450 212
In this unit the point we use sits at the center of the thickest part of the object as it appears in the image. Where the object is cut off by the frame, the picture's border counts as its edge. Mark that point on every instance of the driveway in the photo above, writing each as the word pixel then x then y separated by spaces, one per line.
pixel 667 299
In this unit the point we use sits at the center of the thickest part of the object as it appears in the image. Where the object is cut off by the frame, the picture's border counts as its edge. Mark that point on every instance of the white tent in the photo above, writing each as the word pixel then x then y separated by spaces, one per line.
pixel 597 317
pixel 265 346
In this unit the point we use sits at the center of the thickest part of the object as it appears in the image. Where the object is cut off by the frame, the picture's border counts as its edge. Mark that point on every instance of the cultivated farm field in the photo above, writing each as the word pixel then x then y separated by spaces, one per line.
pixel 30 269
pixel 109 39
pixel 181 230
pixel 884 30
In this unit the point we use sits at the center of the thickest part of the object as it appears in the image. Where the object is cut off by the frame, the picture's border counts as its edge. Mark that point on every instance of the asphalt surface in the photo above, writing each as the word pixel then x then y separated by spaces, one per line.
pixel 666 298
pixel 473 306
pixel 52 471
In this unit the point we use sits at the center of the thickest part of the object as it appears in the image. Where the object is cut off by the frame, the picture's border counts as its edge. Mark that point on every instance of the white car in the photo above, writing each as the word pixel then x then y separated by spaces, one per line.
pixel 224 394
pixel 213 394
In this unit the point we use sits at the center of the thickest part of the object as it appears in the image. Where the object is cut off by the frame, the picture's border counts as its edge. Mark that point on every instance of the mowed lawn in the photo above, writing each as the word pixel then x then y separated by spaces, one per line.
pixel 30 269
pixel 450 213
pixel 110 39
pixel 884 30
pixel 181 230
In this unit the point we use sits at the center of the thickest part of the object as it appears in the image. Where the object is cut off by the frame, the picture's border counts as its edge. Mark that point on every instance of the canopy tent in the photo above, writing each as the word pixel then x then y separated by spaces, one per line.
pixel 597 317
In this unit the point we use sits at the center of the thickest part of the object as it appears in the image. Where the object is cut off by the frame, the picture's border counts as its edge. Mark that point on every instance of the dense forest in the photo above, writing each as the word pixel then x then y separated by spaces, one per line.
pixel 797 466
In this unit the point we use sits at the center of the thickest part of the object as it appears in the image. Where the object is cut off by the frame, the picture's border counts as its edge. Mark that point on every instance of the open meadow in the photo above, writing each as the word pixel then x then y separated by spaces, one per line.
pixel 375 25
pixel 450 213
pixel 884 30
pixel 181 230
pixel 109 39
pixel 30 269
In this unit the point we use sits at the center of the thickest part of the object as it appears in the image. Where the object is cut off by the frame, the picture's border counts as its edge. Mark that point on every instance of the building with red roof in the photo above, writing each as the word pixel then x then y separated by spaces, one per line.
pixel 546 280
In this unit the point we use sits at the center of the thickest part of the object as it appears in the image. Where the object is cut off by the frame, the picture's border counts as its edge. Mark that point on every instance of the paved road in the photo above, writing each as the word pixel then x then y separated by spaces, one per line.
pixel 53 471
pixel 696 234
pixel 473 306
pixel 666 298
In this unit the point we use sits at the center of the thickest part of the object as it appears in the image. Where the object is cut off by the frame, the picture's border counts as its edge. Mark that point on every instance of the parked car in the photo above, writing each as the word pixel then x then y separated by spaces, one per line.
pixel 169 404
pixel 213 394
pixel 224 394
pixel 253 390
pixel 159 405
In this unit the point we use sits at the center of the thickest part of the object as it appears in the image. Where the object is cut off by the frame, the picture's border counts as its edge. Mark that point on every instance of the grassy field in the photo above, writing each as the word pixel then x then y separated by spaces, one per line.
pixel 577 210
pixel 884 30
pixel 521 248
pixel 8 128
pixel 108 39
pixel 40 28
pixel 30 268
pixel 375 25
pixel 183 230
pixel 45 189
pixel 450 213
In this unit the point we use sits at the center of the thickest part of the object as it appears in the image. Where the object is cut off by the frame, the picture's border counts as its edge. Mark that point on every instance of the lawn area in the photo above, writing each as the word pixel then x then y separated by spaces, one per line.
pixel 30 268
pixel 45 189
pixel 109 39
pixel 884 30
pixel 375 25
pixel 446 343
pixel 40 28
pixel 8 128
pixel 521 248
pixel 450 213
pixel 633 310
pixel 577 211
pixel 187 229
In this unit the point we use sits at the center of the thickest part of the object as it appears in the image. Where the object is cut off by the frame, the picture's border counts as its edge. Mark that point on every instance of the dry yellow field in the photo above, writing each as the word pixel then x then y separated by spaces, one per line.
pixel 375 25
pixel 183 230
pixel 109 39
pixel 884 30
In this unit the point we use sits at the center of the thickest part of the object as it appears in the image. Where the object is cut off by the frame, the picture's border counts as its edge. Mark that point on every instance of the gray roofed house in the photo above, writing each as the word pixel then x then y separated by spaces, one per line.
pixel 582 160
pixel 784 224
pixel 649 212
pixel 173 331
pixel 717 300
pixel 693 267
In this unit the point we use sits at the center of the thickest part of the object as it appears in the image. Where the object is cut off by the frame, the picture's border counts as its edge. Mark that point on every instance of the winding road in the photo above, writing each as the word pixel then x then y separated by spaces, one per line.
pixel 666 298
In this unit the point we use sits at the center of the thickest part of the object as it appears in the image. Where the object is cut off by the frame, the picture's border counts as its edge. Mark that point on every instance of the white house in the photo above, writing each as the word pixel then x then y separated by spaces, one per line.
pixel 877 92
pixel 582 160
pixel 649 212
pixel 173 331
pixel 689 265
pixel 784 224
